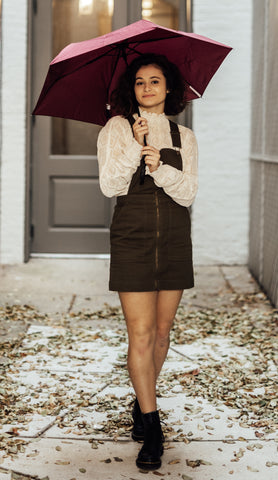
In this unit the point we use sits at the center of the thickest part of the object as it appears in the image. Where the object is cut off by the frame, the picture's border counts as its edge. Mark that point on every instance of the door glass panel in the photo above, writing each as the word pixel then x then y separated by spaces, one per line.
pixel 162 12
pixel 75 21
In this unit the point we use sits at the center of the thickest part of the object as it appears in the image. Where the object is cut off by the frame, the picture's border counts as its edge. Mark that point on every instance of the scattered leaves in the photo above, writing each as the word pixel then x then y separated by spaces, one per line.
pixel 245 379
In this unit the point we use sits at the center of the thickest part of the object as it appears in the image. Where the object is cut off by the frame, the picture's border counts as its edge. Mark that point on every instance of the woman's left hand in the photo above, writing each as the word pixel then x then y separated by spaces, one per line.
pixel 152 158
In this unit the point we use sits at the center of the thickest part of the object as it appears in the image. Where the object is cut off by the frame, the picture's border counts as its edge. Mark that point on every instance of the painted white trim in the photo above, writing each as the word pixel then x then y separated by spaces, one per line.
pixel 102 256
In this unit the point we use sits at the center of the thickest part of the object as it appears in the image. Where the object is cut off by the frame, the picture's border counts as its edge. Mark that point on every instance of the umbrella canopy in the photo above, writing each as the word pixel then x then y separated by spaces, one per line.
pixel 81 78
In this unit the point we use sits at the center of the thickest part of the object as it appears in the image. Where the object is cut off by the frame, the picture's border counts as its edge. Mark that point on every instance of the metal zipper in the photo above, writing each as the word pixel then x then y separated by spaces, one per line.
pixel 157 237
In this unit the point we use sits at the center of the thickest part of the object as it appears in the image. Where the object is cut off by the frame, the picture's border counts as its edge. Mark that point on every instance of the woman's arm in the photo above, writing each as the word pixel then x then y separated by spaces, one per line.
pixel 119 156
pixel 181 185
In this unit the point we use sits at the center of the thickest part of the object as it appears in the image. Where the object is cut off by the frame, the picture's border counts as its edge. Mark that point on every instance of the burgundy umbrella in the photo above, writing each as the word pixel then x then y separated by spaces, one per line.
pixel 81 78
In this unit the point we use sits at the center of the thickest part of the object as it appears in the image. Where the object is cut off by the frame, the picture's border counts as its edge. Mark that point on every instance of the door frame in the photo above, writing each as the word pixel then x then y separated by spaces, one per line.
pixel 125 13
pixel 28 187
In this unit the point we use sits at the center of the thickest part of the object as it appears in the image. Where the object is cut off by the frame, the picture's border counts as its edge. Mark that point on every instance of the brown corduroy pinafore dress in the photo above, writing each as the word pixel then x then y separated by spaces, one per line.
pixel 150 234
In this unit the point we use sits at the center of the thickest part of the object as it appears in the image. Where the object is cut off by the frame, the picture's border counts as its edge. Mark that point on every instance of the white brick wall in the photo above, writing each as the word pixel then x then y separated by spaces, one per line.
pixel 221 121
pixel 14 63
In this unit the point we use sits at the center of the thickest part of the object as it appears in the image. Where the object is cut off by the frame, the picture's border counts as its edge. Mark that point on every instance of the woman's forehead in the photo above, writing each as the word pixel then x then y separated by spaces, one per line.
pixel 149 71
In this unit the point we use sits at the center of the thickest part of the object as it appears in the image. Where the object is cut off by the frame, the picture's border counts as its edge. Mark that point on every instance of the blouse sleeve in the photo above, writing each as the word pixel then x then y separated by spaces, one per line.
pixel 180 185
pixel 119 156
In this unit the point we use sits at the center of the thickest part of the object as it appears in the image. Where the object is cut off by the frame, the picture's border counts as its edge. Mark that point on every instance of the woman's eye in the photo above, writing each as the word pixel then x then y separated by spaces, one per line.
pixel 138 84
pixel 155 81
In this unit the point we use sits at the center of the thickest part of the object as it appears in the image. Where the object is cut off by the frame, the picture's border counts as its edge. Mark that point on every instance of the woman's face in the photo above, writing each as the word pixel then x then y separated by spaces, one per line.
pixel 150 88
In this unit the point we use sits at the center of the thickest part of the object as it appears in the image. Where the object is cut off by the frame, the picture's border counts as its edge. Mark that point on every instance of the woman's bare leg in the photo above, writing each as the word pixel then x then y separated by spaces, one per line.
pixel 167 304
pixel 139 309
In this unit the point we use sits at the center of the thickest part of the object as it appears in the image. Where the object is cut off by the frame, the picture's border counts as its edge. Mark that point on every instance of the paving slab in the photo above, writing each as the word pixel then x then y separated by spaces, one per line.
pixel 79 276
pixel 68 459
pixel 239 279
pixel 197 419
pixel 57 285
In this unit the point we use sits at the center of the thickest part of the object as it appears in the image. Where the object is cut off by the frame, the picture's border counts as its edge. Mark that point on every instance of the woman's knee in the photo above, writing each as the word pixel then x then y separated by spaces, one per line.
pixel 142 338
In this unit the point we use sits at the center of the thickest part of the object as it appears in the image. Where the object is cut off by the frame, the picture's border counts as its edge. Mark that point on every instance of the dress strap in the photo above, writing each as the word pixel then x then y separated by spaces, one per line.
pixel 175 134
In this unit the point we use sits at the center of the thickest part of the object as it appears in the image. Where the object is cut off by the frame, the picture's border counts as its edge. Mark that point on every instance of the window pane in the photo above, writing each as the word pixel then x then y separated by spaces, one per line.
pixel 75 21
pixel 162 12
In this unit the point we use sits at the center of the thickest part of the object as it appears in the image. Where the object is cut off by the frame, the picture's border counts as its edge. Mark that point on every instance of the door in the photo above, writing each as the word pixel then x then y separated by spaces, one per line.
pixel 69 214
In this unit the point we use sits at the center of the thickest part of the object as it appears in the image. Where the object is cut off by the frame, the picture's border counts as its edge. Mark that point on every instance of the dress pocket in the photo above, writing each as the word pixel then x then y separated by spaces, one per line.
pixel 127 233
pixel 180 245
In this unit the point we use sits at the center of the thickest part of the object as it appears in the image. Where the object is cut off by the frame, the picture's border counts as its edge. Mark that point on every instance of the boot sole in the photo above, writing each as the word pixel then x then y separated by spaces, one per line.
pixel 148 465
pixel 137 438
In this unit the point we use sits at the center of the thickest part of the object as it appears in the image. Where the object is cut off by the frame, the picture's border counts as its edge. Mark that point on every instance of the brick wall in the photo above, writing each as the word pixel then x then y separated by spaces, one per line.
pixel 13 99
pixel 221 121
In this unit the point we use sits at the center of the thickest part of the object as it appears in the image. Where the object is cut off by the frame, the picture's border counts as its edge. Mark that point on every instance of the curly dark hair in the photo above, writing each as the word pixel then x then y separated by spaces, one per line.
pixel 123 100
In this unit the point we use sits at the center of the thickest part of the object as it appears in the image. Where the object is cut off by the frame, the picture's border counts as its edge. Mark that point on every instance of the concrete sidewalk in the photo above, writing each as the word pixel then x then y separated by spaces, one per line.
pixel 66 396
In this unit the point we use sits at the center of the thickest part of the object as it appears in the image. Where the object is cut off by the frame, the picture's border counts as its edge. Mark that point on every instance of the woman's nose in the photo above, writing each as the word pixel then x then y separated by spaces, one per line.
pixel 147 87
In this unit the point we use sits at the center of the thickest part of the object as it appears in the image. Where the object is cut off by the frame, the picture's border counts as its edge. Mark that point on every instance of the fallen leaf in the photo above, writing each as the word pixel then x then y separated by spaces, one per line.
pixel 193 463
pixel 252 469
pixel 271 464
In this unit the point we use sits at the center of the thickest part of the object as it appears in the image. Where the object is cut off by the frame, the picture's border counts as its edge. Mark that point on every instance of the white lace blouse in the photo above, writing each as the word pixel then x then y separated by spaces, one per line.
pixel 119 156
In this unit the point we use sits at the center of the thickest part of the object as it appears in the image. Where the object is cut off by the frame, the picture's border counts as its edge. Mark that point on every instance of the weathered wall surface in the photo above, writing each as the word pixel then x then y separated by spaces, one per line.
pixel 263 257
pixel 221 121
pixel 13 123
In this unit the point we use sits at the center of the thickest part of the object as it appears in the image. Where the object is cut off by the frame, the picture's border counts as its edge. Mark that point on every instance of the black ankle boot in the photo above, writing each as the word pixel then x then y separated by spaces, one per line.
pixel 138 427
pixel 149 455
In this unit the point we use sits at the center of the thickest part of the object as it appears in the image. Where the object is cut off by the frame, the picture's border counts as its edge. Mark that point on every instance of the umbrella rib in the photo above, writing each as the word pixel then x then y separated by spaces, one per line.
pixel 114 47
pixel 120 52
pixel 155 39
pixel 79 67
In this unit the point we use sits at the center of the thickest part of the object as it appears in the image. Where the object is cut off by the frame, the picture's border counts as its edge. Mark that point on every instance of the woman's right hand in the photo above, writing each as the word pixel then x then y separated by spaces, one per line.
pixel 140 128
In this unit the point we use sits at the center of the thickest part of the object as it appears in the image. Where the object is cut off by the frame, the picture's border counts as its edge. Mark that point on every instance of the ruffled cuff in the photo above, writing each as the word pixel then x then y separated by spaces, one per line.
pixel 165 175
pixel 148 170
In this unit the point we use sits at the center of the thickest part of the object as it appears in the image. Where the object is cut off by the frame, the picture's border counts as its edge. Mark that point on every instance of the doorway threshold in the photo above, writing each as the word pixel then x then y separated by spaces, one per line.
pixel 100 256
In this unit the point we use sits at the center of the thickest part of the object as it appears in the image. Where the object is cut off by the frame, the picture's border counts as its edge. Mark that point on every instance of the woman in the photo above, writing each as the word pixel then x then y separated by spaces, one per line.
pixel 151 252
